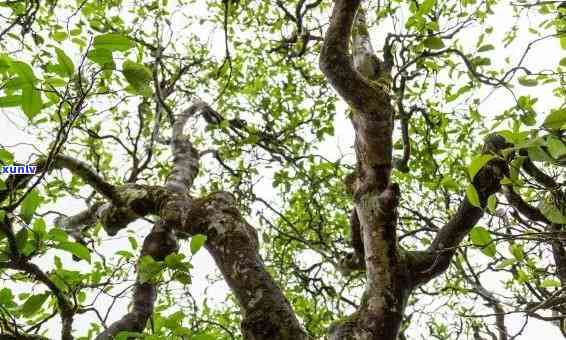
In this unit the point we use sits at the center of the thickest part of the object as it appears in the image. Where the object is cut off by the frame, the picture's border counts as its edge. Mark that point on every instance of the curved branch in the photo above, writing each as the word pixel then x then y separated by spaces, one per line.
pixel 87 174
pixel 67 311
pixel 558 247
pixel 74 224
pixel 75 166
pixel 436 259
pixel 185 156
pixel 543 179
pixel 337 66
pixel 233 244
pixel 523 207
pixel 159 243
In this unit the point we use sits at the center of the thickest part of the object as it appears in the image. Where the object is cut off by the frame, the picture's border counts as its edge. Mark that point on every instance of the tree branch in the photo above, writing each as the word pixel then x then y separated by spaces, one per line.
pixel 539 176
pixel 364 84
pixel 87 174
pixel 67 311
pixel 436 259
pixel 159 243
pixel 523 207
pixel 74 224
pixel 233 244
pixel 185 156
pixel 337 66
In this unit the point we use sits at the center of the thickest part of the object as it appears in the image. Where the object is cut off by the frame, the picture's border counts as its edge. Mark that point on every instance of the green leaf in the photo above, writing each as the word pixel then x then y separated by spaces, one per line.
pixel 434 43
pixel 550 283
pixel 203 336
pixel 149 269
pixel 5 62
pixel 6 156
pixel 33 304
pixel 31 103
pixel 515 167
pixel 563 62
pixel 55 82
pixel 133 242
pixel 137 75
pixel 76 249
pixel 29 205
pixel 25 72
pixel 182 277
pixel 492 203
pixel 472 195
pixel 478 163
pixel 425 7
pixel 486 48
pixel 6 297
pixel 57 235
pixel 551 212
pixel 113 42
pixel 529 82
pixel 481 238
pixel 517 251
pixel 22 238
pixel 59 36
pixel 10 101
pixel 65 62
pixel 556 147
pixel 102 57
pixel 197 241
pixel 125 253
pixel 555 120
pixel 39 229
pixel 31 97
pixel 506 263
pixel 449 184
pixel 537 154
pixel 479 61
pixel 522 276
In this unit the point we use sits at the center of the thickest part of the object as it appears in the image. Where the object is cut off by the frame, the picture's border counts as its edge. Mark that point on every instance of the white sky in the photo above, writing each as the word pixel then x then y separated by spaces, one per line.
pixel 13 123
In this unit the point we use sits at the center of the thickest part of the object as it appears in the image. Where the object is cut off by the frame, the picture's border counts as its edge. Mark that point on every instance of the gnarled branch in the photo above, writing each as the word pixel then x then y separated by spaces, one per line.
pixel 436 259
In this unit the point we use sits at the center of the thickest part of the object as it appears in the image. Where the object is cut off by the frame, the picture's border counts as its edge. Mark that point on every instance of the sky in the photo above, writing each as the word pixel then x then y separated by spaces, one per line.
pixel 21 140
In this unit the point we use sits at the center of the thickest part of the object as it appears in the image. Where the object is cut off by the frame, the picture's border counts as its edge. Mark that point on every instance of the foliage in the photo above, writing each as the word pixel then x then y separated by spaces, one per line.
pixel 103 80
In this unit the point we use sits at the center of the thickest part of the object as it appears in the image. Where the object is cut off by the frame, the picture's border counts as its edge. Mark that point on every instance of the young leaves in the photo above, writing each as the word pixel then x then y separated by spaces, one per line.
pixel 472 195
pixel 33 304
pixel 555 120
pixel 105 44
pixel 138 75
pixel 102 57
pixel 477 164
pixel 481 238
pixel 29 205
pixel 434 43
pixel 197 242
pixel 551 212
pixel 113 42
pixel 10 101
pixel 76 249
pixel 65 63
pixel 31 97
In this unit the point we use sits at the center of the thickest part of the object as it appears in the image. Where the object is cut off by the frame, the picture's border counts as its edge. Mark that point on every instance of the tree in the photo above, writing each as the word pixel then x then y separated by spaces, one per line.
pixel 451 201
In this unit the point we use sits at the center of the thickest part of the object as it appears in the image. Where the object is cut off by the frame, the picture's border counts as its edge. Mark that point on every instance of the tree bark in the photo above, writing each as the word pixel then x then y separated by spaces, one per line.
pixel 358 81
